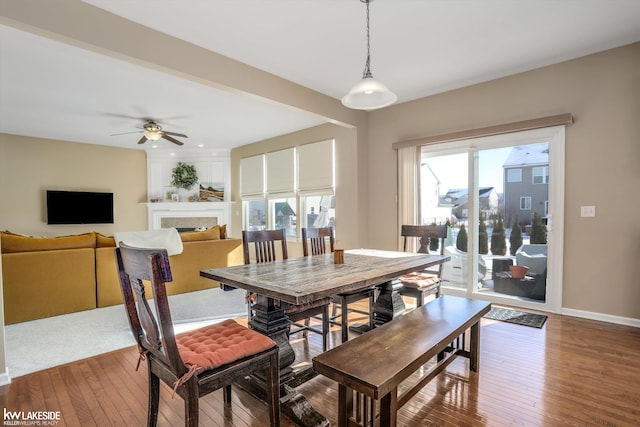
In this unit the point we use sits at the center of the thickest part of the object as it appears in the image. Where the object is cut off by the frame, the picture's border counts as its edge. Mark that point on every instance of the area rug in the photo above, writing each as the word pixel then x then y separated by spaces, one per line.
pixel 517 317
pixel 43 343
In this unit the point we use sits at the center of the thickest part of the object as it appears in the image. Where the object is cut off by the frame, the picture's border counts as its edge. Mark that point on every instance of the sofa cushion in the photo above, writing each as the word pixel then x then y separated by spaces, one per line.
pixel 12 243
pixel 196 236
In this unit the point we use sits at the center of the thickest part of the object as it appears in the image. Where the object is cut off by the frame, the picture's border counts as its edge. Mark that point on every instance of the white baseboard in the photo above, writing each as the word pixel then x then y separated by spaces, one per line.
pixel 629 321
pixel 4 377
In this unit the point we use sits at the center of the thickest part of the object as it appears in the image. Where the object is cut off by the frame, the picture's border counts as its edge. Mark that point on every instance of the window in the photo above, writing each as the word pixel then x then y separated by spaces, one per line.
pixel 254 214
pixel 488 162
pixel 541 175
pixel 546 209
pixel 320 211
pixel 252 192
pixel 317 181
pixel 514 175
pixel 275 186
pixel 282 214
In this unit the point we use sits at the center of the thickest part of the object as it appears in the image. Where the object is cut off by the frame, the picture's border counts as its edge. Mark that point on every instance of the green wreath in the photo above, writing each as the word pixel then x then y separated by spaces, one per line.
pixel 184 176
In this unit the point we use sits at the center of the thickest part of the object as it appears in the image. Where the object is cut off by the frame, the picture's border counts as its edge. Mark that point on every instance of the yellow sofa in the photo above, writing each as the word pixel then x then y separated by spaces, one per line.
pixel 50 276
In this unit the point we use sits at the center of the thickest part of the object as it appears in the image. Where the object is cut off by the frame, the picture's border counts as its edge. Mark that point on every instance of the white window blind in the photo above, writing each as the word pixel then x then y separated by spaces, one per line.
pixel 315 167
pixel 252 177
pixel 281 172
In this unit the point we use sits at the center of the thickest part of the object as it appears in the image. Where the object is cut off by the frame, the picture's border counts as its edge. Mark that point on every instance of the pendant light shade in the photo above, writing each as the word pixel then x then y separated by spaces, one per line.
pixel 368 93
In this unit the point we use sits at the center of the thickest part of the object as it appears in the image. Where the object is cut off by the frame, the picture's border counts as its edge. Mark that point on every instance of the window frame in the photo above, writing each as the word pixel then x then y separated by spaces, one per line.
pixel 527 200
pixel 544 175
pixel 509 171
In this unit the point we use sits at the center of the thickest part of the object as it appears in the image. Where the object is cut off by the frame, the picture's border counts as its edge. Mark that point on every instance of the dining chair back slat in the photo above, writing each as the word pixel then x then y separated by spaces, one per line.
pixel 264 244
pixel 317 238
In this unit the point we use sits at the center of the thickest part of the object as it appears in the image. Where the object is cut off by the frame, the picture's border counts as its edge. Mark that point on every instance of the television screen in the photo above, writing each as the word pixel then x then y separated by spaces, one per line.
pixel 79 207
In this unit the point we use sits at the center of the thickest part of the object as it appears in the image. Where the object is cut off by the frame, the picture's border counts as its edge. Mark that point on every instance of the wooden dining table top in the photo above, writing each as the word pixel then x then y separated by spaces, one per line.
pixel 306 279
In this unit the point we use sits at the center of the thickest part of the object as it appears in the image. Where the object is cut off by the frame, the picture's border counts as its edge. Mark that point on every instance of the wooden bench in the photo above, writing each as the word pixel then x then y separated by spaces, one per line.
pixel 374 364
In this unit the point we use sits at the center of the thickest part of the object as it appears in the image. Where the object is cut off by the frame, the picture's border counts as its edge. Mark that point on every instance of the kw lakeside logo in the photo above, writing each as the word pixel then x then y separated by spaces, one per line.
pixel 31 418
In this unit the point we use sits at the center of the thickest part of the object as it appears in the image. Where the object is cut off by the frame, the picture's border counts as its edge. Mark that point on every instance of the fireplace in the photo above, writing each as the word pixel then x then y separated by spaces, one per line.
pixel 188 215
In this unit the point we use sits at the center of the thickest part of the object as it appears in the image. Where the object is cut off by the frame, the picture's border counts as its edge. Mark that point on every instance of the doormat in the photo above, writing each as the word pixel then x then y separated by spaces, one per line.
pixel 517 317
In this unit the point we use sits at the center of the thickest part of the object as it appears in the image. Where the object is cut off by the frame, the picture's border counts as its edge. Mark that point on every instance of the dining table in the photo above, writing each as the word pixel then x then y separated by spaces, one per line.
pixel 303 280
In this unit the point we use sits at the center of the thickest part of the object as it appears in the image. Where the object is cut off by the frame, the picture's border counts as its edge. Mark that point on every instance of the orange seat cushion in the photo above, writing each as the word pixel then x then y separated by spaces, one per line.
pixel 419 280
pixel 219 344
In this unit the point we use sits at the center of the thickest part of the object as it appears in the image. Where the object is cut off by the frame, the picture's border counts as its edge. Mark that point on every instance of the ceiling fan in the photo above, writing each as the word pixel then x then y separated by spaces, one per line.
pixel 153 132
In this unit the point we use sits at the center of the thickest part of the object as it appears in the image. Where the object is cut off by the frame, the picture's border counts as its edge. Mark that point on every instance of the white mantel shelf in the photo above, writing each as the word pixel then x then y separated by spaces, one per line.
pixel 159 210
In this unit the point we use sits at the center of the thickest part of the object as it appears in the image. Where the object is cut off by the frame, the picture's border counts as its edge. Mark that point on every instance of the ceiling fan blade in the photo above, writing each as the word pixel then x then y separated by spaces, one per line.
pixel 142 140
pixel 169 138
pixel 181 135
pixel 125 133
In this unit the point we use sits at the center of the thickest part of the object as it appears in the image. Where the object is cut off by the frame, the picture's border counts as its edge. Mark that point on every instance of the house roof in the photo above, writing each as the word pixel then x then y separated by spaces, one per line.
pixel 456 196
pixel 283 208
pixel 532 154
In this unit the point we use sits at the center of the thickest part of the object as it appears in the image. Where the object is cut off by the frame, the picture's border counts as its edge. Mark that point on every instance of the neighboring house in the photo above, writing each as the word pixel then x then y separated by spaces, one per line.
pixel 285 217
pixel 458 199
pixel 431 210
pixel 526 182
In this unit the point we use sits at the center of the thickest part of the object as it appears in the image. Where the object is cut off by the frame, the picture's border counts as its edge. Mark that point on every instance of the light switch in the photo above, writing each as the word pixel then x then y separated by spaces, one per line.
pixel 587 211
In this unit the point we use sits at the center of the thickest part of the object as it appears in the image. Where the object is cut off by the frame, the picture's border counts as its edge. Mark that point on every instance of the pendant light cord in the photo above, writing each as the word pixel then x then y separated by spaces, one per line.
pixel 367 70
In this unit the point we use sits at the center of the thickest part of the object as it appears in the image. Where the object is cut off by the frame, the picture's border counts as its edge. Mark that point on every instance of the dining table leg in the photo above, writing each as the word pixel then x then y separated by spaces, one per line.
pixel 269 319
pixel 387 306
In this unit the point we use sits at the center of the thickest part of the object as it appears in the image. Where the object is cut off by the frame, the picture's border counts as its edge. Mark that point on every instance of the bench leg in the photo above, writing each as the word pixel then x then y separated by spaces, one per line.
pixel 474 359
pixel 389 409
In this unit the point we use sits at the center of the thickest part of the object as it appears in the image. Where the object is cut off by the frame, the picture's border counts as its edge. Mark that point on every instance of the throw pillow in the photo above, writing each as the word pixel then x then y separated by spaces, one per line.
pixel 196 236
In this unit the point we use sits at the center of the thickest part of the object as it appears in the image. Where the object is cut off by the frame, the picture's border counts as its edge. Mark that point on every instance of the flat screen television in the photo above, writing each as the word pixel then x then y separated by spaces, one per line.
pixel 79 207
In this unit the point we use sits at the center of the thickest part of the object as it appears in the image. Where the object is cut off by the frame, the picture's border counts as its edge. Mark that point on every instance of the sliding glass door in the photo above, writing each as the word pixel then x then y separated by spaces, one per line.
pixel 502 197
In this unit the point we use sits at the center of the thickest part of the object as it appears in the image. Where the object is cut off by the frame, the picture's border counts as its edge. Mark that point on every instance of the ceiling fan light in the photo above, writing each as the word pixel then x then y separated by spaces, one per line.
pixel 369 94
pixel 151 135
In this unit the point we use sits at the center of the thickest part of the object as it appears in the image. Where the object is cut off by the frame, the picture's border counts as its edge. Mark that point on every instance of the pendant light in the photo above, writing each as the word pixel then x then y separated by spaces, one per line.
pixel 368 93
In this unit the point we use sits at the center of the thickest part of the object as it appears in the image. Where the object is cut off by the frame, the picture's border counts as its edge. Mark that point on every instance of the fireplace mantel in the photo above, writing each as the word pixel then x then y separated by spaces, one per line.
pixel 219 210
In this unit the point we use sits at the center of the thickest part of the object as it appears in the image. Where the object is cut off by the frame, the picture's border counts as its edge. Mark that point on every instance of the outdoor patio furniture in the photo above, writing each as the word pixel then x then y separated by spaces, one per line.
pixel 533 256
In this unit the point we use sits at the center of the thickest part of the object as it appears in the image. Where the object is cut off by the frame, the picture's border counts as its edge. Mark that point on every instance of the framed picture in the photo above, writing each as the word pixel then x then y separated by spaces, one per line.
pixel 169 192
pixel 212 191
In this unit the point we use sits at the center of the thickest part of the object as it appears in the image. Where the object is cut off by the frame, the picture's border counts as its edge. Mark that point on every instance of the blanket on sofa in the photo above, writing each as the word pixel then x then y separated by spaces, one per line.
pixel 164 238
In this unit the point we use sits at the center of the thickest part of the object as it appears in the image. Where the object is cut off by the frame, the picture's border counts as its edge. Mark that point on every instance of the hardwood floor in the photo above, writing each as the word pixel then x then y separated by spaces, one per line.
pixel 571 372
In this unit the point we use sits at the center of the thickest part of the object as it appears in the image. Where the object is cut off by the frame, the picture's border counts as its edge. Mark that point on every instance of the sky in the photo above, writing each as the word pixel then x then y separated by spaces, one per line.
pixel 451 170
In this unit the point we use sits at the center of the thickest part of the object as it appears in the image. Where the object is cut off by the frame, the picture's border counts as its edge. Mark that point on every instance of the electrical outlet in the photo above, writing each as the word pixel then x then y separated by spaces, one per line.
pixel 587 211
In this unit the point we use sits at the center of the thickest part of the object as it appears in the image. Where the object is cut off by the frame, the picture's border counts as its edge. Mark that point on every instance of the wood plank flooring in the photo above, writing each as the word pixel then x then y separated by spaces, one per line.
pixel 572 372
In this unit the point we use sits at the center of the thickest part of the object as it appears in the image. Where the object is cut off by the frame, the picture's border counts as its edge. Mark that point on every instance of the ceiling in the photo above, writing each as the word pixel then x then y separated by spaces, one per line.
pixel 58 90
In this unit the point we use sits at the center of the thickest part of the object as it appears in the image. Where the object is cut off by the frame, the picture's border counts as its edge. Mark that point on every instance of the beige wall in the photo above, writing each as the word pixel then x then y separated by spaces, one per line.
pixel 602 91
pixel 348 183
pixel 29 166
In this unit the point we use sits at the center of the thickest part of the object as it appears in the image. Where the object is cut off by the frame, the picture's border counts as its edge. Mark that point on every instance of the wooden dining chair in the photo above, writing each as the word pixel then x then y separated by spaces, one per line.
pixel 193 363
pixel 317 239
pixel 420 284
pixel 265 250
